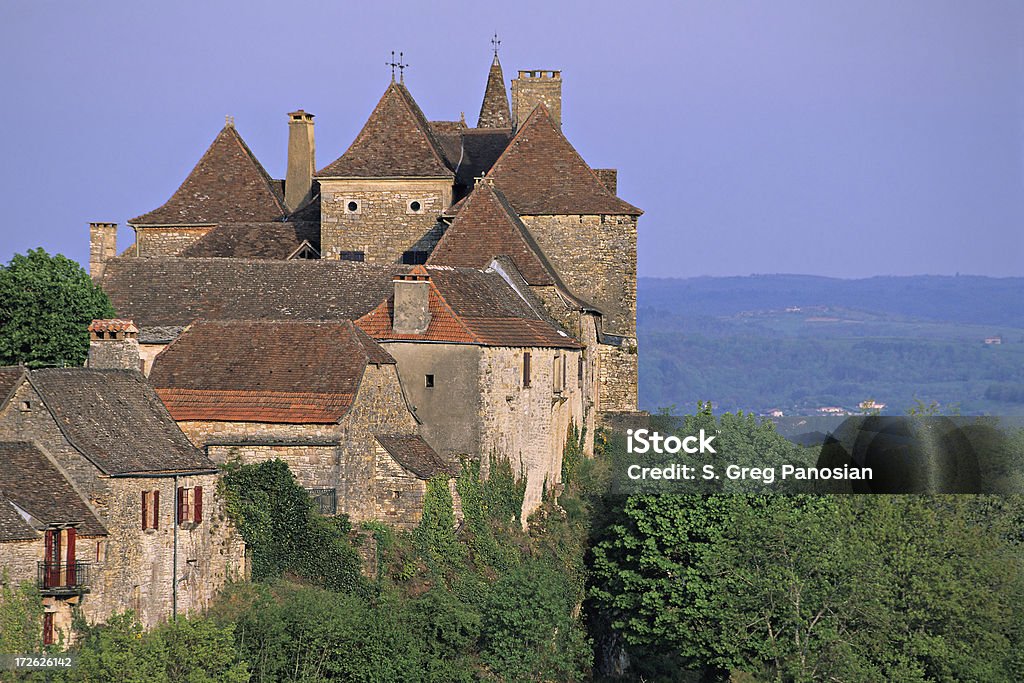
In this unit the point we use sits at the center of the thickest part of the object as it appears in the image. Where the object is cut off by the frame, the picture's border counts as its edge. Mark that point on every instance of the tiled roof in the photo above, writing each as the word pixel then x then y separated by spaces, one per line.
pixel 541 173
pixel 415 455
pixel 157 292
pixel 494 111
pixel 117 421
pixel 486 227
pixel 267 240
pixel 473 151
pixel 228 185
pixel 11 377
pixel 13 526
pixel 471 307
pixel 31 481
pixel 396 141
pixel 447 127
pixel 265 371
pixel 112 325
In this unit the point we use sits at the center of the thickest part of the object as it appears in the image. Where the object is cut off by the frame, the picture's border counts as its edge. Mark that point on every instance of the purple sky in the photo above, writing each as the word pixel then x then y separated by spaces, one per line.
pixel 845 139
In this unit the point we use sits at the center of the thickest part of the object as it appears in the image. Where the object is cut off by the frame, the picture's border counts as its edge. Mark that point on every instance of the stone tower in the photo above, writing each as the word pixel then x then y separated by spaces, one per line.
pixel 301 159
pixel 531 88
pixel 102 247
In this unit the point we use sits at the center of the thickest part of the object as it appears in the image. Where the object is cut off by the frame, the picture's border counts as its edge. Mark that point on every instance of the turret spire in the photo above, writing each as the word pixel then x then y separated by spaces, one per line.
pixel 495 112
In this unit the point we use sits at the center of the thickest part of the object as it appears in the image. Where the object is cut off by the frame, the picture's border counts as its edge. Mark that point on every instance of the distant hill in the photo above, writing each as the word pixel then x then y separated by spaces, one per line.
pixel 800 343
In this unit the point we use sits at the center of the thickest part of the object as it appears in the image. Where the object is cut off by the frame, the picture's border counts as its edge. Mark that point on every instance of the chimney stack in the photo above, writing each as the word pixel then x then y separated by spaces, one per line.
pixel 102 247
pixel 113 345
pixel 412 302
pixel 301 159
pixel 535 87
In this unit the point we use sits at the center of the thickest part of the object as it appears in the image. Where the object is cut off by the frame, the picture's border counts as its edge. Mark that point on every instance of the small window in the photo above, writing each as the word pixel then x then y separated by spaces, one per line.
pixel 415 258
pixel 414 206
pixel 26 406
pixel 352 256
pixel 190 505
pixel 353 206
pixel 150 510
pixel 325 500
pixel 526 369
pixel 101 551
pixel 429 381
pixel 579 369
pixel 558 373
pixel 396 494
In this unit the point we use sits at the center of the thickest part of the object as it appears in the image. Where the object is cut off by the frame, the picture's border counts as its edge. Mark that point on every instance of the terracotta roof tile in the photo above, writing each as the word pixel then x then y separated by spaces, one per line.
pixel 494 110
pixel 30 480
pixel 415 455
pixel 227 185
pixel 112 325
pixel 396 141
pixel 265 371
pixel 541 173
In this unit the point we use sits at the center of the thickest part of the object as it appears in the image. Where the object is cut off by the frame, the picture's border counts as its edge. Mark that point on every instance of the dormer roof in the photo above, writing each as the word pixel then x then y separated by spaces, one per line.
pixel 228 185
pixel 541 173
pixel 396 142
pixel 494 111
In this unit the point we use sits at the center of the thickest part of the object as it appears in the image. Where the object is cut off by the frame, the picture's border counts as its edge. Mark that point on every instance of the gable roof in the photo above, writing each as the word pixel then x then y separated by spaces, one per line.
pixel 494 110
pixel 263 240
pixel 227 185
pixel 487 227
pixel 472 152
pixel 469 306
pixel 541 173
pixel 115 419
pixel 414 454
pixel 11 377
pixel 30 480
pixel 265 371
pixel 395 142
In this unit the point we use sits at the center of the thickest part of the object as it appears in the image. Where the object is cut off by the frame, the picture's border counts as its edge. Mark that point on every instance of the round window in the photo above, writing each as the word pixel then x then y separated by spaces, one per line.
pixel 353 207
pixel 414 206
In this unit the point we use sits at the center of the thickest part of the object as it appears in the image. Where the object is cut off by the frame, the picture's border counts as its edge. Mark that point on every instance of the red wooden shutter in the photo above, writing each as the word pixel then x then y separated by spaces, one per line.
pixel 48 628
pixel 526 369
pixel 72 578
pixel 145 511
pixel 181 504
pixel 197 494
pixel 156 509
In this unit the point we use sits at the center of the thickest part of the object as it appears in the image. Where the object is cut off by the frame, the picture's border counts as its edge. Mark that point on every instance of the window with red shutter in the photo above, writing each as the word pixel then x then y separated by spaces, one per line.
pixel 156 509
pixel 72 573
pixel 145 510
pixel 197 504
pixel 181 505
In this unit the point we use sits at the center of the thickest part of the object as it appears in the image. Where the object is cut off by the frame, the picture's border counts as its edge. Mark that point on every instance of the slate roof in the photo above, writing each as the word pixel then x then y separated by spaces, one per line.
pixel 31 481
pixel 396 141
pixel 169 292
pixel 471 307
pixel 227 185
pixel 541 173
pixel 473 151
pixel 415 455
pixel 11 377
pixel 265 240
pixel 494 110
pixel 115 419
pixel 265 371
pixel 486 227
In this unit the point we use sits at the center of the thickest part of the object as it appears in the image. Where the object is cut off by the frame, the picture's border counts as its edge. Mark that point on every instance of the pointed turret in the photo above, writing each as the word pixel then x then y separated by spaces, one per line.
pixel 495 112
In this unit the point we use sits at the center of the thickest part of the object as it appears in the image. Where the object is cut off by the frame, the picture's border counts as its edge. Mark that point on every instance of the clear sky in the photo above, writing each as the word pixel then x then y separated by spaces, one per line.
pixel 833 138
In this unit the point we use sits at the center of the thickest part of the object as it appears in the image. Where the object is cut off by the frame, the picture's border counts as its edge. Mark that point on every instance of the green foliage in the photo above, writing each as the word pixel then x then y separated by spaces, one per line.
pixel 21 619
pixel 481 531
pixel 435 534
pixel 572 454
pixel 503 491
pixel 46 305
pixel 282 531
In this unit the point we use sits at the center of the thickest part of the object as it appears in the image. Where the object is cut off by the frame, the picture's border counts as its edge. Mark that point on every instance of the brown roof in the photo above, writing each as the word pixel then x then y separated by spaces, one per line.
pixel 396 141
pixel 415 455
pixel 265 371
pixel 486 227
pixel 11 377
pixel 494 111
pixel 115 419
pixel 112 325
pixel 30 480
pixel 227 185
pixel 447 127
pixel 541 173
pixel 471 307
pixel 472 152
pixel 157 292
pixel 266 240
pixel 13 526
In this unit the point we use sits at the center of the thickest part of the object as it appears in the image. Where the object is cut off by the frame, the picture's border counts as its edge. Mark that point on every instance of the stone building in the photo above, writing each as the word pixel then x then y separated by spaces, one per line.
pixel 102 445
pixel 321 396
pixel 509 197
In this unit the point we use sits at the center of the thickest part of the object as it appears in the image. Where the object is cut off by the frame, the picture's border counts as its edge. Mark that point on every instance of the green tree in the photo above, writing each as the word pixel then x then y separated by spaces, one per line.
pixel 46 304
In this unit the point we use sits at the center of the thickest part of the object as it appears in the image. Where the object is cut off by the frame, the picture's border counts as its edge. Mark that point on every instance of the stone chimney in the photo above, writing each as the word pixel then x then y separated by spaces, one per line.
pixel 113 345
pixel 532 88
pixel 412 302
pixel 301 159
pixel 102 247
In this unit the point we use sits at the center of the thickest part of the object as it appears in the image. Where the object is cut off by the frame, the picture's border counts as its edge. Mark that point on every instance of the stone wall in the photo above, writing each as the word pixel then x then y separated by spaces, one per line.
pixel 169 241
pixel 383 226
pixel 618 377
pixel 314 466
pixel 399 493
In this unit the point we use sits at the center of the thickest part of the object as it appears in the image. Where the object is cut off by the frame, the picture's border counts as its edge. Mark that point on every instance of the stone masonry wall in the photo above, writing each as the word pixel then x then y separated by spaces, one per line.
pixel 383 227
pixel 618 378
pixel 399 492
pixel 166 241
pixel 312 465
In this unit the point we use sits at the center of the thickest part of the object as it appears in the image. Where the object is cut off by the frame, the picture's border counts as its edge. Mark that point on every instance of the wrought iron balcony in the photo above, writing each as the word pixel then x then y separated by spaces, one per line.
pixel 60 578
pixel 325 500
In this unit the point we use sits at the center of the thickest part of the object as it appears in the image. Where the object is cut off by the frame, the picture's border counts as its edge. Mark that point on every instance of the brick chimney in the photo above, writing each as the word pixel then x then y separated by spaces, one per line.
pixel 102 247
pixel 301 159
pixel 113 345
pixel 412 302
pixel 532 88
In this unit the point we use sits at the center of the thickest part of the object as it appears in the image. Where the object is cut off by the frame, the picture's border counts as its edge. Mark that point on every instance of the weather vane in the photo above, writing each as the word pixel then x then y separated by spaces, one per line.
pixel 399 65
pixel 496 43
